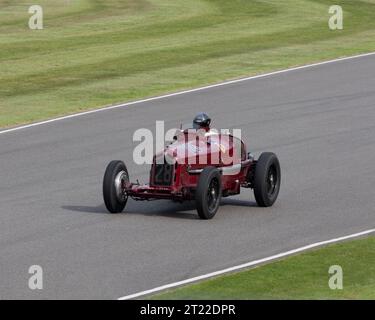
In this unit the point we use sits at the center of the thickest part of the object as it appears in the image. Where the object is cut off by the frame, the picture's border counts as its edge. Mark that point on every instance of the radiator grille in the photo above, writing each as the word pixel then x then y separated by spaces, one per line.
pixel 163 174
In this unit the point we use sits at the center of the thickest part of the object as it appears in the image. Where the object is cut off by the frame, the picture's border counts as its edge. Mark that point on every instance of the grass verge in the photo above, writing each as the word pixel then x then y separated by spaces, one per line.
pixel 303 276
pixel 93 53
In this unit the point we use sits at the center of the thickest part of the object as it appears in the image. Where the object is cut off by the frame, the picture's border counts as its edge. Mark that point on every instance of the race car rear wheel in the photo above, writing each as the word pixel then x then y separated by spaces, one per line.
pixel 208 193
pixel 267 179
pixel 115 178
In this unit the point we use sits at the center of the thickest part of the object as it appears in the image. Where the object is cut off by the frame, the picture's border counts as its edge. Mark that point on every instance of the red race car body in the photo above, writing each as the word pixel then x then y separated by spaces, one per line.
pixel 202 166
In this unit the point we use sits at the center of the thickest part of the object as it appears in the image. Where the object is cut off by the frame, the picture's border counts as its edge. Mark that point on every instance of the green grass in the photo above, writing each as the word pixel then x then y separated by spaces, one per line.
pixel 304 276
pixel 93 53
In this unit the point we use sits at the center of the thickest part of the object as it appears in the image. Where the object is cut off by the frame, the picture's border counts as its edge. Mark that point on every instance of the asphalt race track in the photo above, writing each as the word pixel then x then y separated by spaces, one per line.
pixel 320 121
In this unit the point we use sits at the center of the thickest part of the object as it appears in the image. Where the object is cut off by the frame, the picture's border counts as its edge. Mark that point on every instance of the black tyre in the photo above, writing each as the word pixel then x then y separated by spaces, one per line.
pixel 208 193
pixel 267 179
pixel 115 177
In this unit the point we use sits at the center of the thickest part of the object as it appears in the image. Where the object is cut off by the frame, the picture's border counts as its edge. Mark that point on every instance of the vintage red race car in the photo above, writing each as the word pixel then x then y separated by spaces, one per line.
pixel 197 166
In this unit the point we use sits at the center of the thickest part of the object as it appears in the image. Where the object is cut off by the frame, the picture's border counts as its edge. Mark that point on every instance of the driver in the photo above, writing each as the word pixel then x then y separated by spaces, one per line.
pixel 202 121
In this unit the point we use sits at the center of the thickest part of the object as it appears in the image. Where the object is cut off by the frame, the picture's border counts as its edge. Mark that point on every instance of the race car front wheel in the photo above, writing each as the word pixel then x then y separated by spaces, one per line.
pixel 116 177
pixel 208 193
pixel 267 179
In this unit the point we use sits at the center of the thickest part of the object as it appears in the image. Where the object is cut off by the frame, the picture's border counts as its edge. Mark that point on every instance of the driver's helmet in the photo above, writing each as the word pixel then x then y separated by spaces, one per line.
pixel 202 121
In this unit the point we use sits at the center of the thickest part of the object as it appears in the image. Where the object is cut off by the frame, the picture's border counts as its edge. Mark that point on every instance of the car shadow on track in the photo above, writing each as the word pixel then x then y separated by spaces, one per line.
pixel 86 209
pixel 164 208
pixel 237 202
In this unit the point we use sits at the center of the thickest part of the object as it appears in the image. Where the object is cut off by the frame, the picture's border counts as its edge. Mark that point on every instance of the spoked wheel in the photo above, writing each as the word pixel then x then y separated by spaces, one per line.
pixel 208 193
pixel 212 194
pixel 267 179
pixel 116 178
pixel 272 181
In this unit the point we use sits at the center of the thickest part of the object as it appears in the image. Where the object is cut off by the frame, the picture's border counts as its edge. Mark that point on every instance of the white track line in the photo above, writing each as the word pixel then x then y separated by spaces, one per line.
pixel 244 265
pixel 184 92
